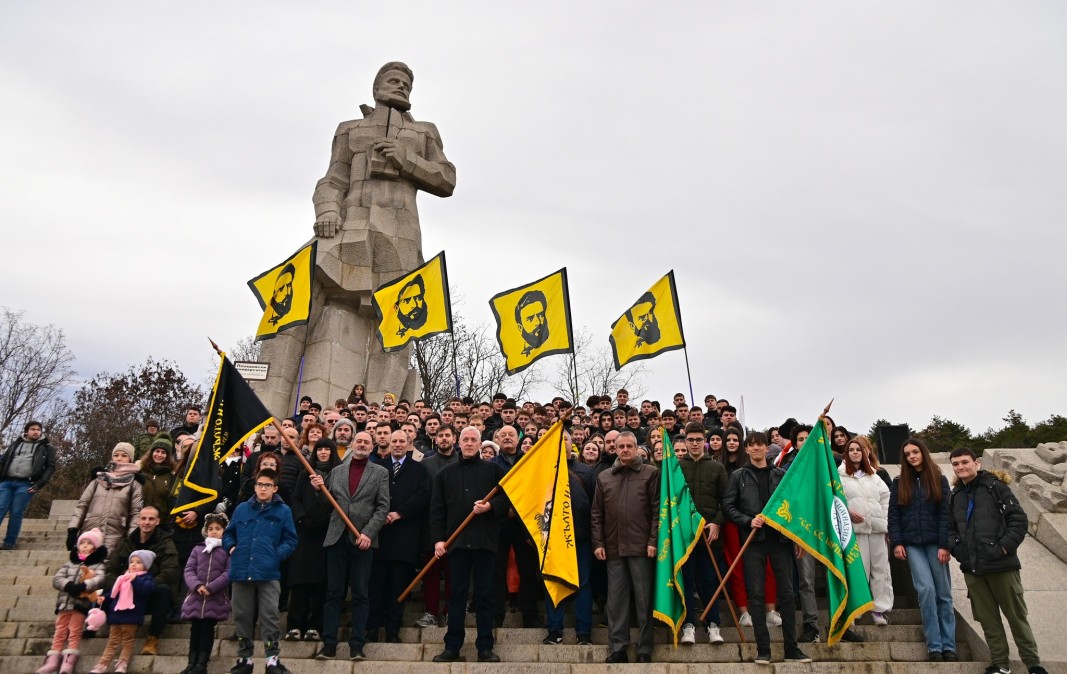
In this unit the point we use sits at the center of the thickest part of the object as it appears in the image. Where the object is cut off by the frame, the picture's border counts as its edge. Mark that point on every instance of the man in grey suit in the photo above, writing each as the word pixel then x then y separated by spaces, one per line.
pixel 361 488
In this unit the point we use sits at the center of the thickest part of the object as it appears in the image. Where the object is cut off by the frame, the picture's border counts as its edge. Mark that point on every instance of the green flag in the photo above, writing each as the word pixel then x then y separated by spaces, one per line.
pixel 809 507
pixel 680 528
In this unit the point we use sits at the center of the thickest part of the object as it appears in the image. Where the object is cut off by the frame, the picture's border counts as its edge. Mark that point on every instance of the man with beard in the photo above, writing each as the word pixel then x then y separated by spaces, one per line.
pixel 530 317
pixel 281 300
pixel 642 319
pixel 381 440
pixel 343 433
pixel 445 443
pixel 513 535
pixel 411 306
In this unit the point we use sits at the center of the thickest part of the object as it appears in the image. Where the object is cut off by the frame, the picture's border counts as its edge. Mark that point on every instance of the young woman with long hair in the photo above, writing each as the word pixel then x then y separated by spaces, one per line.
pixel 918 533
pixel 868 508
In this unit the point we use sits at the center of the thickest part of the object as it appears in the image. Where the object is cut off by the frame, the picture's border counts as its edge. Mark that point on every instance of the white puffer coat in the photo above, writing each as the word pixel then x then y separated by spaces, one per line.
pixel 868 496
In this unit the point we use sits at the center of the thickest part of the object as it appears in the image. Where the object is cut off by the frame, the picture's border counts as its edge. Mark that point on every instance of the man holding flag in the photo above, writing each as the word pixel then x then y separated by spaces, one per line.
pixel 750 490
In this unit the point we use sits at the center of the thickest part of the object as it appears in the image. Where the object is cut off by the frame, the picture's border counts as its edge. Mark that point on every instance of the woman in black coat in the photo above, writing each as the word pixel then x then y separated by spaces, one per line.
pixel 307 566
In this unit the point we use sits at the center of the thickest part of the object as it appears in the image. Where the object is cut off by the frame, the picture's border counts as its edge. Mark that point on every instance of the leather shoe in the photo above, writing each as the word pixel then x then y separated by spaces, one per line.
pixel 488 656
pixel 618 656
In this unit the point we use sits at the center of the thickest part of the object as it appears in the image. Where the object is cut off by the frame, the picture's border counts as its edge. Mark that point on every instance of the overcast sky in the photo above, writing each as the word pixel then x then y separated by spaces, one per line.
pixel 861 201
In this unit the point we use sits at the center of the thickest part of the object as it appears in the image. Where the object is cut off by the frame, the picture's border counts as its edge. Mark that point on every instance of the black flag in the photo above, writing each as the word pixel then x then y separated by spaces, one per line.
pixel 235 413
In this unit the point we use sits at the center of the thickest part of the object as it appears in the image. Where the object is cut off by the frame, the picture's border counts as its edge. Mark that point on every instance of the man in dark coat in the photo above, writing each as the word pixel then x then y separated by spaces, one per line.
pixel 398 543
pixel 457 491
pixel 986 526
pixel 165 569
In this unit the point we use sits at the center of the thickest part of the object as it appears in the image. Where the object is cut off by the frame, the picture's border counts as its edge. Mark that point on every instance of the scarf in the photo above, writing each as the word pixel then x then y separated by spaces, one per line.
pixel 211 543
pixel 123 590
pixel 118 474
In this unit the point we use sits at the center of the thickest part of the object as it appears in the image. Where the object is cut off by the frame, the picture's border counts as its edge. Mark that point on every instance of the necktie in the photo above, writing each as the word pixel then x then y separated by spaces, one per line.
pixel 396 468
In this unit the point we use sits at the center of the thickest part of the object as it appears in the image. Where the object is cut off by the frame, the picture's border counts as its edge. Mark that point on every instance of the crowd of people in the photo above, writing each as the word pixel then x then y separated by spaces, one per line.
pixel 391 481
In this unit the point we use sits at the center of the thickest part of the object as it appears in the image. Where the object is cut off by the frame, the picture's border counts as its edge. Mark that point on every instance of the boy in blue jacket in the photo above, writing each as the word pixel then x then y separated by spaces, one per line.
pixel 259 538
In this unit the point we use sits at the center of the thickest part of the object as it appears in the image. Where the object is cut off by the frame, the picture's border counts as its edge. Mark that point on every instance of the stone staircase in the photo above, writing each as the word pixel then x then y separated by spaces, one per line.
pixel 26 626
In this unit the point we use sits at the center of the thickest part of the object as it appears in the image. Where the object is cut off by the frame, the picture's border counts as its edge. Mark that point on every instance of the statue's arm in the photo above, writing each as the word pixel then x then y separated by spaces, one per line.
pixel 432 173
pixel 330 190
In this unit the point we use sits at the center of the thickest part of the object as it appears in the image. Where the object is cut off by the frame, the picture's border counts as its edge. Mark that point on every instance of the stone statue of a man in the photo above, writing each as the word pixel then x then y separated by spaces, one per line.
pixel 367 226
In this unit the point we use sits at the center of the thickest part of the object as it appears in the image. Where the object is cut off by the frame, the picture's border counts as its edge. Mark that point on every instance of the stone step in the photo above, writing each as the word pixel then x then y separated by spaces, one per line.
pixel 173 664
pixel 511 652
pixel 511 636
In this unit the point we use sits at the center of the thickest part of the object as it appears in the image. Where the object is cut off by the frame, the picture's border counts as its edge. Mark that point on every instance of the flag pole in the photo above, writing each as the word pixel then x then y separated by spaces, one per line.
pixel 725 593
pixel 300 455
pixel 685 350
pixel 722 583
pixel 433 560
pixel 311 471
pixel 455 368
pixel 300 373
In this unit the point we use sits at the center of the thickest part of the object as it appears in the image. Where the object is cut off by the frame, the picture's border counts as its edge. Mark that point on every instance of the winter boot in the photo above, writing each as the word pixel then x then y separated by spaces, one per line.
pixel 191 665
pixel 51 663
pixel 201 663
pixel 70 661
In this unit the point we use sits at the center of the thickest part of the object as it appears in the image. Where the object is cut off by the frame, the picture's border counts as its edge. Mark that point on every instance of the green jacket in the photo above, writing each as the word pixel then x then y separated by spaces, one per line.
pixel 707 481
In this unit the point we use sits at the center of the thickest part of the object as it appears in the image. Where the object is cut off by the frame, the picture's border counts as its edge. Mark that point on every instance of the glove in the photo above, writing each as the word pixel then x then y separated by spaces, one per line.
pixel 72 538
pixel 69 587
pixel 75 589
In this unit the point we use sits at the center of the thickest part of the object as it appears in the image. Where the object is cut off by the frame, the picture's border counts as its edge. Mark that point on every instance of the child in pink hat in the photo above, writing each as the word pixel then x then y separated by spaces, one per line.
pixel 77 581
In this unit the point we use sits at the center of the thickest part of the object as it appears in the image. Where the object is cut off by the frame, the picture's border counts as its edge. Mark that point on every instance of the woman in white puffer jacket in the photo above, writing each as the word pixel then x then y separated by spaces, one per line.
pixel 868 505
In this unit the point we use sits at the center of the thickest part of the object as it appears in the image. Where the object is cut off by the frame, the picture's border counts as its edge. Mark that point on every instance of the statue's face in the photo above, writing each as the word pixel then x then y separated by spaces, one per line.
pixel 394 90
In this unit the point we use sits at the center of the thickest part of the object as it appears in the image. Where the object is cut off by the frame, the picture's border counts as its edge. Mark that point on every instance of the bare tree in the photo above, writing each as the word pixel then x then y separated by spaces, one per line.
pixel 478 365
pixel 246 348
pixel 596 372
pixel 35 366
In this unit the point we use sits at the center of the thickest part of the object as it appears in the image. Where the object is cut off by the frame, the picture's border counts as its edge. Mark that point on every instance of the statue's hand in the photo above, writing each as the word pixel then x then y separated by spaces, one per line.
pixel 391 150
pixel 327 225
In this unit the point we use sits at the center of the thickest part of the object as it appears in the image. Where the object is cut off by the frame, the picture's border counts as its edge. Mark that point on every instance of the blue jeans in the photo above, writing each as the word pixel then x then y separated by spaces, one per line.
pixel 934 586
pixel 14 498
pixel 583 598
pixel 347 567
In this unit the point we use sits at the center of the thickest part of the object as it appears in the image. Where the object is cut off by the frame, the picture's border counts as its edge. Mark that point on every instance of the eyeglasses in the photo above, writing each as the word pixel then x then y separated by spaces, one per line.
pixel 265 485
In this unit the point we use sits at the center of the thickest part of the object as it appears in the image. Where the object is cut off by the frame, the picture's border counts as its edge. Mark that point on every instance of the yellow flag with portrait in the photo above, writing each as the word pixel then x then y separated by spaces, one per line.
pixel 533 321
pixel 414 306
pixel 284 293
pixel 539 489
pixel 651 326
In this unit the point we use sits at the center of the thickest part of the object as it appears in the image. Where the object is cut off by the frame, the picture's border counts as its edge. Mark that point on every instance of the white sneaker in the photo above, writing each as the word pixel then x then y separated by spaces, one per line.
pixel 427 620
pixel 689 634
pixel 713 634
pixel 879 618
pixel 745 620
pixel 774 619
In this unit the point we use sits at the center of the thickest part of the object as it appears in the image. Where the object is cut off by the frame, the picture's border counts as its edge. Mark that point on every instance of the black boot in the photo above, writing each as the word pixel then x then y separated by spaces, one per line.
pixel 193 655
pixel 201 663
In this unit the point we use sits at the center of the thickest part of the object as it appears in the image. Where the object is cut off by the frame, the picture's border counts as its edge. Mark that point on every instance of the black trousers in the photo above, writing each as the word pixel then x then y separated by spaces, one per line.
pixel 513 535
pixel 159 606
pixel 388 579
pixel 779 553
pixel 461 564
pixel 202 635
pixel 305 607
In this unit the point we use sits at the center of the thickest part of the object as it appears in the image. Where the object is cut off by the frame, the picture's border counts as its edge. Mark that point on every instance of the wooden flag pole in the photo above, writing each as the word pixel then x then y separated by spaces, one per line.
pixel 307 466
pixel 433 560
pixel 725 593
pixel 311 471
pixel 722 583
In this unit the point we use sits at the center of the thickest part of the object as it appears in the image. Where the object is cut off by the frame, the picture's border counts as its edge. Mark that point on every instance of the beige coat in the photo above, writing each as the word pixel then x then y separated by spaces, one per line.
pixel 114 509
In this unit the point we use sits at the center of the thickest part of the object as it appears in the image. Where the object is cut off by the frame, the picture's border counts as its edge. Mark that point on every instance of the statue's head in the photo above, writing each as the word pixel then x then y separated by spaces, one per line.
pixel 392 85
